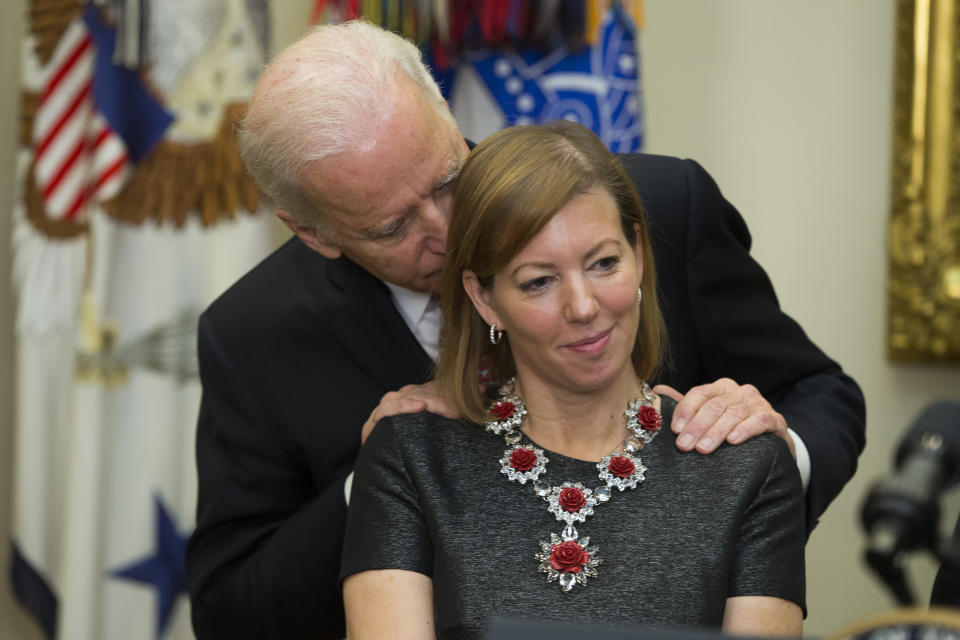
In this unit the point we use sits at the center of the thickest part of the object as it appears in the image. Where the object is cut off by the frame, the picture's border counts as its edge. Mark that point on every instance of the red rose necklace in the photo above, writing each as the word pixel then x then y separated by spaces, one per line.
pixel 568 558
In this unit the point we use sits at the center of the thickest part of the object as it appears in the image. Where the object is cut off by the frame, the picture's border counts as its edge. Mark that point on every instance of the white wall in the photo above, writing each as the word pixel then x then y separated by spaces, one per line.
pixel 788 105
pixel 14 624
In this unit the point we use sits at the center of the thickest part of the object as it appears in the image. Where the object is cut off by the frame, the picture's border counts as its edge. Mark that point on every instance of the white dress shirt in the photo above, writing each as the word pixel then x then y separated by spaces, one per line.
pixel 422 314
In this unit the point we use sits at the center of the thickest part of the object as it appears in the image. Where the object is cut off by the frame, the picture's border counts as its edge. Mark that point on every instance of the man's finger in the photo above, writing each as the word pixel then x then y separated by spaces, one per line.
pixel 705 415
pixel 411 398
pixel 763 422
pixel 435 404
pixel 690 405
pixel 718 431
pixel 391 407
pixel 747 429
pixel 667 390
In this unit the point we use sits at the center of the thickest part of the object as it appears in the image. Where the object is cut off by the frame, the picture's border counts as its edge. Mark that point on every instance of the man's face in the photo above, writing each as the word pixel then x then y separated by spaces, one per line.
pixel 388 201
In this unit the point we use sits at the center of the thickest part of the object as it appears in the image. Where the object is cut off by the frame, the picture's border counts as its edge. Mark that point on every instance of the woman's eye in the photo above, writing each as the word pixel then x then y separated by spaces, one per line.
pixel 606 264
pixel 536 284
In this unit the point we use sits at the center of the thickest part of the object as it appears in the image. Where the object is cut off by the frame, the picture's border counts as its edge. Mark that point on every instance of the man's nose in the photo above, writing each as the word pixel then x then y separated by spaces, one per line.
pixel 436 221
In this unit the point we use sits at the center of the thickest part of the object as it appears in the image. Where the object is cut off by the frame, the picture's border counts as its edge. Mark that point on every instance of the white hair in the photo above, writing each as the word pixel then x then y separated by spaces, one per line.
pixel 314 100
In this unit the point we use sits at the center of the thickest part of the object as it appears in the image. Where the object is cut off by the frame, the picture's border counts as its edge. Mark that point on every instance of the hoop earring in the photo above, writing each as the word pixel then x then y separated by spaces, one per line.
pixel 495 336
pixel 639 295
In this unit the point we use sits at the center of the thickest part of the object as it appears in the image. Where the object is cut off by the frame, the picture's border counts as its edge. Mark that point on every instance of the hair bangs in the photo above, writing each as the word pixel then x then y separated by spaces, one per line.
pixel 520 192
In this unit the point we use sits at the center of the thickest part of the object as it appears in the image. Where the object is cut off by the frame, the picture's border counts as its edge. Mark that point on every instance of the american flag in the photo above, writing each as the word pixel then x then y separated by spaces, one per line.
pixel 93 121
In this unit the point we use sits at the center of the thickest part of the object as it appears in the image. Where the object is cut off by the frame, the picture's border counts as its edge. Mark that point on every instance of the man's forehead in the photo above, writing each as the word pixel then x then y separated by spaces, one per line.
pixel 358 193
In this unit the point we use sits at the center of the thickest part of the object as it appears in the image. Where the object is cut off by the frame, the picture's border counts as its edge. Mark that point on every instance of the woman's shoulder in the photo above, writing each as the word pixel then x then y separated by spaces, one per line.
pixel 759 461
pixel 431 450
pixel 765 446
pixel 425 430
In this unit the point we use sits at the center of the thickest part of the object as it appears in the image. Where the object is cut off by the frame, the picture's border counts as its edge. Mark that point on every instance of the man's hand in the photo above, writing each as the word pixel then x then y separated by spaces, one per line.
pixel 723 410
pixel 412 398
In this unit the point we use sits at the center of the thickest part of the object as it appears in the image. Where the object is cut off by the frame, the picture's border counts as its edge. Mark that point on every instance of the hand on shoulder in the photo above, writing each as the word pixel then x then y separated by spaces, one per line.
pixel 710 413
pixel 412 398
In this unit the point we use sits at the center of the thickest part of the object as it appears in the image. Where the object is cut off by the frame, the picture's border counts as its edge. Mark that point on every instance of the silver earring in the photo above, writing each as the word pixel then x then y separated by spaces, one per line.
pixel 495 336
pixel 639 295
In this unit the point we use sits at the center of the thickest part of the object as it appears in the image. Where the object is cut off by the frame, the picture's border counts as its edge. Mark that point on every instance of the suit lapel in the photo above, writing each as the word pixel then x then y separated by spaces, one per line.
pixel 369 327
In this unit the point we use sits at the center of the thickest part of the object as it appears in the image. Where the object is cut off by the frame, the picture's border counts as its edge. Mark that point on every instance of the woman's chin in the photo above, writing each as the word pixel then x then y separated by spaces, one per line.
pixel 586 381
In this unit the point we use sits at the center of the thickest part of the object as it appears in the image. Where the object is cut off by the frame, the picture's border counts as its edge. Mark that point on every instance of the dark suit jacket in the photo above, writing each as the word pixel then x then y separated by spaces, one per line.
pixel 295 356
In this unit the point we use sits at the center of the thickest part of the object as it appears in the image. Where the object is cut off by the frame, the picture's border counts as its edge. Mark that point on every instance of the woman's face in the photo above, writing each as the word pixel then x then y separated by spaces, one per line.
pixel 568 300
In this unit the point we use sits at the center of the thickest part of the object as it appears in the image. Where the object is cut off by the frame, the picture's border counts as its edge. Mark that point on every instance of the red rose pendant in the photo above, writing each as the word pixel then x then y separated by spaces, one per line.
pixel 572 499
pixel 568 560
pixel 621 471
pixel 523 459
pixel 523 463
pixel 571 502
pixel 502 409
pixel 649 418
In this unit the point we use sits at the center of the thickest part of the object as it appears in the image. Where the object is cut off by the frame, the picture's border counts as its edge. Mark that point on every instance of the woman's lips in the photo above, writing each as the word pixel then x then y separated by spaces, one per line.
pixel 590 345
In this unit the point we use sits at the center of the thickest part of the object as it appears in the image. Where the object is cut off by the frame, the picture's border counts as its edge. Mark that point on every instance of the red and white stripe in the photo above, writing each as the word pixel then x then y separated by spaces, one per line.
pixel 79 158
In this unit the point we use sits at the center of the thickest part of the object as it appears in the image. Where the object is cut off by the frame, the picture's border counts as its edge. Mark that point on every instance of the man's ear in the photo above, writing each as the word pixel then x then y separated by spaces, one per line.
pixel 309 236
pixel 480 297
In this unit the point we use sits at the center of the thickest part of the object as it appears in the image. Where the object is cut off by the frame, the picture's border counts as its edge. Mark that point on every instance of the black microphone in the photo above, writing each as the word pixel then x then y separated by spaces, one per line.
pixel 902 513
pixel 927 462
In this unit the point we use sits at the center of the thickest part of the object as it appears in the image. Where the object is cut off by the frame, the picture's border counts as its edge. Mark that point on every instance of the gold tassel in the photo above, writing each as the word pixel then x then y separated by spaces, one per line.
pixel 48 20
pixel 175 179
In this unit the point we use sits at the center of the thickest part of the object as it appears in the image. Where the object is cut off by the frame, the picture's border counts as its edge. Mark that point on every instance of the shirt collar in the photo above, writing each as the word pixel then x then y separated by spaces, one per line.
pixel 411 304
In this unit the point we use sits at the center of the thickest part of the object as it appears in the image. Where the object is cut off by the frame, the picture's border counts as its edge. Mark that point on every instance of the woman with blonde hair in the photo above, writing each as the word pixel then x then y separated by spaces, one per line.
pixel 558 496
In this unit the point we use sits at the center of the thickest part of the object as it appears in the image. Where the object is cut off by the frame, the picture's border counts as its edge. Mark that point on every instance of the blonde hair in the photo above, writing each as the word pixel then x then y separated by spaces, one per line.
pixel 510 187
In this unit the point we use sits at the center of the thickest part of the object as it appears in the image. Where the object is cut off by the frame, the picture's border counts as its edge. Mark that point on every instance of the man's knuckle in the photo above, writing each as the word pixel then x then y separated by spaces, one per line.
pixel 714 407
pixel 776 421
pixel 739 412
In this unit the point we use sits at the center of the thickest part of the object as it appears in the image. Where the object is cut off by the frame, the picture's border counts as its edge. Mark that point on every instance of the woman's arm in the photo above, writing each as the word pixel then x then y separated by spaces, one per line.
pixel 390 603
pixel 757 616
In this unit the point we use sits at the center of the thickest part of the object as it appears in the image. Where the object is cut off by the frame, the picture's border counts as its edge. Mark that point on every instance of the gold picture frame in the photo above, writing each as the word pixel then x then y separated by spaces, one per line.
pixel 924 230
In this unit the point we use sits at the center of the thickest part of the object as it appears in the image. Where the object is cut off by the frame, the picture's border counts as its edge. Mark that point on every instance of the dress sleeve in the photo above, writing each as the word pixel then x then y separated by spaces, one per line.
pixel 386 528
pixel 770 552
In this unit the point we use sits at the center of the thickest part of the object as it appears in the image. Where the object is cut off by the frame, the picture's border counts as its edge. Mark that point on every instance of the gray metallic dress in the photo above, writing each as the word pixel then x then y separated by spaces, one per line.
pixel 428 496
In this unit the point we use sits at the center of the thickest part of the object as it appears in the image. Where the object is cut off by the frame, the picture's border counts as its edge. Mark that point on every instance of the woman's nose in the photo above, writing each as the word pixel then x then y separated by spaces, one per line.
pixel 581 303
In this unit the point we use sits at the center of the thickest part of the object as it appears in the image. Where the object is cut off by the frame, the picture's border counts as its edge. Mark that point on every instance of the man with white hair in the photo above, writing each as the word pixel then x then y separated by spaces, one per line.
pixel 349 136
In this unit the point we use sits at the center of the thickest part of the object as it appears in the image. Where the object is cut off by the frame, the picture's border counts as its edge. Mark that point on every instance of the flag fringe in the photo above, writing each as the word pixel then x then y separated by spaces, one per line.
pixel 177 179
pixel 48 20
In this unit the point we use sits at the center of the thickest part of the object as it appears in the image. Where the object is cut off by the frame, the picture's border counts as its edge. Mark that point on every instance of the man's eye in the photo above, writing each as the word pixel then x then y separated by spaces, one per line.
pixel 445 190
pixel 393 232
